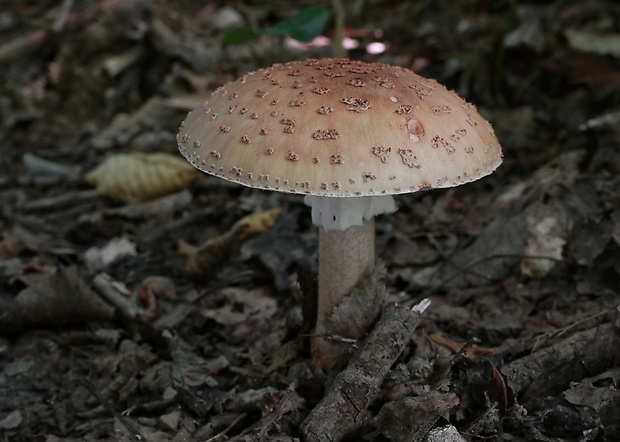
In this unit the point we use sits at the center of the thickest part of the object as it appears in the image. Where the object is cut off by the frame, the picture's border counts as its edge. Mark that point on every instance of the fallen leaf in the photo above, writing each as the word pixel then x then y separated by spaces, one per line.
pixel 117 248
pixel 218 249
pixel 51 300
pixel 148 291
pixel 602 44
pixel 140 176
pixel 276 406
pixel 546 241
pixel 257 222
pixel 127 368
pixel 241 306
pixel 11 244
pixel 171 420
pixel 161 286
pixel 284 355
pixel 600 393
pixel 589 240
pixel 189 371
pixel 530 31
pixel 490 256
pixel 281 248
pixel 444 434
pixel 11 420
pixel 402 419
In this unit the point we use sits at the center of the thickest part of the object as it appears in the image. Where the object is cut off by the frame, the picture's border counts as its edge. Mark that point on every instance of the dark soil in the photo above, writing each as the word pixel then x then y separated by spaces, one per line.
pixel 108 331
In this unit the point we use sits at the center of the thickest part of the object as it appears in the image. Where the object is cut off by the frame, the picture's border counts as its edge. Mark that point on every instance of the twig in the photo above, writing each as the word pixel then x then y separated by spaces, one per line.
pixel 38 166
pixel 61 201
pixel 106 404
pixel 222 434
pixel 21 46
pixel 108 289
pixel 343 408
pixel 63 16
pixel 455 359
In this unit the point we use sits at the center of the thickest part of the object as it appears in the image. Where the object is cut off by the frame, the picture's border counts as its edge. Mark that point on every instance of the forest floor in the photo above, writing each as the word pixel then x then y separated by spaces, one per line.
pixel 106 333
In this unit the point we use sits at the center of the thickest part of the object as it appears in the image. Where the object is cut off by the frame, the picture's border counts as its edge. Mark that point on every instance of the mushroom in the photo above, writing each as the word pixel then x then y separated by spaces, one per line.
pixel 348 135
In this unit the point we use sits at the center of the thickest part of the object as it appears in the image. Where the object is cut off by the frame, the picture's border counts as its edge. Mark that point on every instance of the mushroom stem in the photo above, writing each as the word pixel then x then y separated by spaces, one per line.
pixel 345 257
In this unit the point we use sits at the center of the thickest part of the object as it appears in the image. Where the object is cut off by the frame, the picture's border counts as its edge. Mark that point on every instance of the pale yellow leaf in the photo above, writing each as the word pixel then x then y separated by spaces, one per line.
pixel 141 176
pixel 256 223
pixel 219 248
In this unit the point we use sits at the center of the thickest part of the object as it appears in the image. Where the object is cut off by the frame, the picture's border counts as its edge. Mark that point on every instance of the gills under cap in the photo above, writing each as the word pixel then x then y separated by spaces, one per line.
pixel 338 128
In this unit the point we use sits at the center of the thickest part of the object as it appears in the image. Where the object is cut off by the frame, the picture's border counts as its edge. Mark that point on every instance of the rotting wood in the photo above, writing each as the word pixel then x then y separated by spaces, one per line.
pixel 343 408
pixel 550 370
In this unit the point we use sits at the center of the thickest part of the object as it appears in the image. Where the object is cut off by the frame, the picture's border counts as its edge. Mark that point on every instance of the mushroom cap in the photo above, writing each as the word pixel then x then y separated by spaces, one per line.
pixel 339 127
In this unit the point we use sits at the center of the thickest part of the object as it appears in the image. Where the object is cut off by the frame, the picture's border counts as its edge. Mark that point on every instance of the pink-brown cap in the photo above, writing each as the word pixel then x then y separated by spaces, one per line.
pixel 338 127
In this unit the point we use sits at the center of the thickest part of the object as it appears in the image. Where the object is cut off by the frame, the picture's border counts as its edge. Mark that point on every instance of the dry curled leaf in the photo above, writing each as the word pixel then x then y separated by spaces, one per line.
pixel 216 250
pixel 150 289
pixel 161 286
pixel 256 223
pixel 141 176
pixel 52 298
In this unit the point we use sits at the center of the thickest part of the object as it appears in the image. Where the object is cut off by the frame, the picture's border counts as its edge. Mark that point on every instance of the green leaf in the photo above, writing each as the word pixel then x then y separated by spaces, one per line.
pixel 239 36
pixel 303 26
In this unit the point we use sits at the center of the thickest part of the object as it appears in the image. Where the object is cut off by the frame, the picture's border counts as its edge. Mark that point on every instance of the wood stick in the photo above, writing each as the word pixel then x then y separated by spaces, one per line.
pixel 343 408
pixel 550 370
pixel 61 201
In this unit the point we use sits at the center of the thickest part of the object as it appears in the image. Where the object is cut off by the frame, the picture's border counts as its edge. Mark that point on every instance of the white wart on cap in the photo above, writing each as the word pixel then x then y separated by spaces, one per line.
pixel 339 128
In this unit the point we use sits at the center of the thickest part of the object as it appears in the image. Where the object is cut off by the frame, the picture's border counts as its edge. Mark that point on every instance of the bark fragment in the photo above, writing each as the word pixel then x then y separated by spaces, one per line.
pixel 550 370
